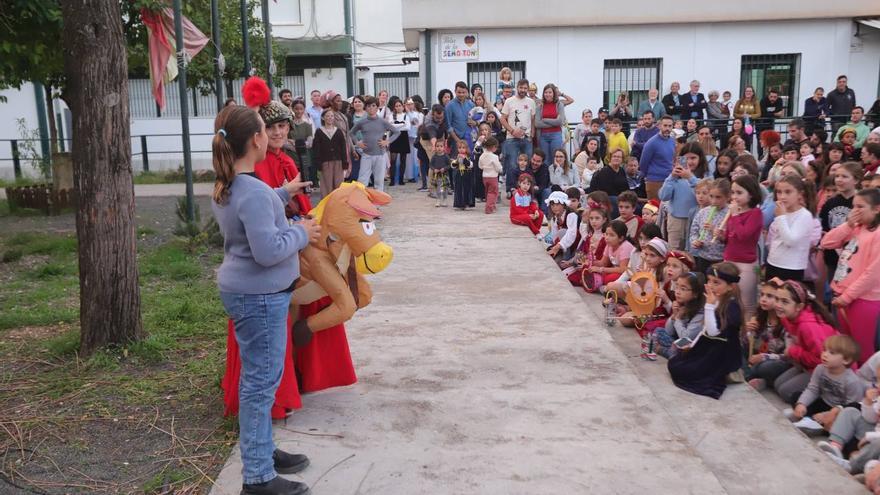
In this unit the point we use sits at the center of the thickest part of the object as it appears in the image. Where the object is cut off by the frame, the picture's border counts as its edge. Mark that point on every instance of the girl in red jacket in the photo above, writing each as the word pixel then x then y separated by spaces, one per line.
pixel 523 209
pixel 806 321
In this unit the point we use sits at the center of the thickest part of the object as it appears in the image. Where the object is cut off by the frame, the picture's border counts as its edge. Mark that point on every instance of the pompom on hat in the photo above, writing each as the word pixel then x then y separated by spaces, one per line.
pixel 256 95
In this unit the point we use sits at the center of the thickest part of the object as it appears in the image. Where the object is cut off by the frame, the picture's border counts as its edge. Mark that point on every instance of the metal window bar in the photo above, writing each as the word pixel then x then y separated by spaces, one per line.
pixel 486 74
pixel 775 71
pixel 400 84
pixel 635 76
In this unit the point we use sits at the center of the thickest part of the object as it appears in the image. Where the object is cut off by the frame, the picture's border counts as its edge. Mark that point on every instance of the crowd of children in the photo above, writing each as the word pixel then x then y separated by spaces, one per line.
pixel 763 272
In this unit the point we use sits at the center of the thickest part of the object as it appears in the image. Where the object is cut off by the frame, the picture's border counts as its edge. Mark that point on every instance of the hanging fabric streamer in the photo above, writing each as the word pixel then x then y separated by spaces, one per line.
pixel 162 44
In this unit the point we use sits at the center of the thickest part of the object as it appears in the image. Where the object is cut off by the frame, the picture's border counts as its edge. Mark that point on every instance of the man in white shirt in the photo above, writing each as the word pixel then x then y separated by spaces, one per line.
pixel 315 110
pixel 518 119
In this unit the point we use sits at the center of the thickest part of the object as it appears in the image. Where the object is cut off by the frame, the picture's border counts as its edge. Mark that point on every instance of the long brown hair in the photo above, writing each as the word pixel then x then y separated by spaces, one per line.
pixel 805 187
pixel 233 128
pixel 728 268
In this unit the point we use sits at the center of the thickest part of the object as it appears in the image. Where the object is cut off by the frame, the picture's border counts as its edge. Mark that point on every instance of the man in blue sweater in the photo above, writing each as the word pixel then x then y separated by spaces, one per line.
pixel 656 159
pixel 644 133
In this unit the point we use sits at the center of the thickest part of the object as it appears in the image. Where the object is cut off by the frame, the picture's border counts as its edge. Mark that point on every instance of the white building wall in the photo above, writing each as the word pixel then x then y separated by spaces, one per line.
pixel 573 57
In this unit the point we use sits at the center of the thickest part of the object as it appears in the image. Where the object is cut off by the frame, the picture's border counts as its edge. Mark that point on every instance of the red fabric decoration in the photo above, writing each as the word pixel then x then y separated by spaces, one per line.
pixel 256 92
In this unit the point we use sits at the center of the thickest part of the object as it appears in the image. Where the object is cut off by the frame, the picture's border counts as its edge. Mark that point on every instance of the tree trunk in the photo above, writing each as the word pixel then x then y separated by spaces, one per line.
pixel 53 126
pixel 95 62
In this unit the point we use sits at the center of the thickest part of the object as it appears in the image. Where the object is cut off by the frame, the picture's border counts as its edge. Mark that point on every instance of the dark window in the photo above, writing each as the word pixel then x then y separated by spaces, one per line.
pixel 486 75
pixel 400 84
pixel 635 76
pixel 765 72
pixel 362 86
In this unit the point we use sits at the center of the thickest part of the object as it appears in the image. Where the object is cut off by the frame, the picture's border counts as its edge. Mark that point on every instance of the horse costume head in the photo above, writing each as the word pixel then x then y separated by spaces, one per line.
pixel 346 215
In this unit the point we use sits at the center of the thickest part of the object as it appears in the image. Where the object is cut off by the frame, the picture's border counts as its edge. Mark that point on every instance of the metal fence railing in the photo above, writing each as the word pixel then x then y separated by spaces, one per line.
pixel 142 105
pixel 145 146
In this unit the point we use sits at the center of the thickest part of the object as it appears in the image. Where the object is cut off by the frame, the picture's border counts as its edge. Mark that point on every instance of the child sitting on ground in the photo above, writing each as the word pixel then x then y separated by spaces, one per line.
pixel 600 199
pixel 765 337
pixel 440 173
pixel 650 211
pixel 653 259
pixel 616 256
pixel 522 166
pixel 806 322
pixel 715 353
pixel 833 383
pixel 686 320
pixel 677 264
pixel 523 209
pixel 592 245
pixel 563 223
pixel 635 261
pixel 627 202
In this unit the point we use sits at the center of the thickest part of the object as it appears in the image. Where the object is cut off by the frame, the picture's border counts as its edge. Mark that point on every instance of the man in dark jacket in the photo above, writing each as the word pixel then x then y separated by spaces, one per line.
pixel 840 103
pixel 693 104
pixel 672 101
pixel 542 178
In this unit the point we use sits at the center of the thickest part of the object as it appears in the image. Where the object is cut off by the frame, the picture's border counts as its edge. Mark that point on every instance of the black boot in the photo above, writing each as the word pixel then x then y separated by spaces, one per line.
pixel 289 463
pixel 276 486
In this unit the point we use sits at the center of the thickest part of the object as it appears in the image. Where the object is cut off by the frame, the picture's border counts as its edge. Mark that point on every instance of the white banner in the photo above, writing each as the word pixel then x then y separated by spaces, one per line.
pixel 457 47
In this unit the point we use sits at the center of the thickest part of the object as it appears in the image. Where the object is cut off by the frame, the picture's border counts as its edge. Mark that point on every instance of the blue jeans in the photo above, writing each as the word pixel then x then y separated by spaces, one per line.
pixel 261 331
pixel 550 142
pixel 511 148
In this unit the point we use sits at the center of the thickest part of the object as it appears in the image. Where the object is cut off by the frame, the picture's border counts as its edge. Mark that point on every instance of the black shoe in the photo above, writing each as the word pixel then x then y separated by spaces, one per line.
pixel 276 486
pixel 289 463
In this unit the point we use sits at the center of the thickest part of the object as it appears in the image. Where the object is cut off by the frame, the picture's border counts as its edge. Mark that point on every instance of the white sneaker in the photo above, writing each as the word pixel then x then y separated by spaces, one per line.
pixel 840 461
pixel 809 426
pixel 830 448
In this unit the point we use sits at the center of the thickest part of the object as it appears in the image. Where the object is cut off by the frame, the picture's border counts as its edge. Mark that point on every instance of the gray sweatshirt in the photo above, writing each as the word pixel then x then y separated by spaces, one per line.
pixel 846 388
pixel 373 129
pixel 261 249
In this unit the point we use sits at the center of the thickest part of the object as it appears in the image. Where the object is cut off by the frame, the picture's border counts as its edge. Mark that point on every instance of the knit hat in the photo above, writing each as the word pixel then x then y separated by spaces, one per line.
pixel 256 95
pixel 558 197
pixel 659 245
pixel 652 206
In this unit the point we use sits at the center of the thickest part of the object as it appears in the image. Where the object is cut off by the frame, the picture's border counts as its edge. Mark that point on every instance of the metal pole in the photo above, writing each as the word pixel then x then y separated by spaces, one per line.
pixel 145 154
pixel 16 159
pixel 270 64
pixel 215 35
pixel 245 43
pixel 349 31
pixel 184 111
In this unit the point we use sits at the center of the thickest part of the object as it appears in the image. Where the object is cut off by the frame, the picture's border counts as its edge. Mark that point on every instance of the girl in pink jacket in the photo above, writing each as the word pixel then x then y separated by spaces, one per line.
pixel 856 282
pixel 806 323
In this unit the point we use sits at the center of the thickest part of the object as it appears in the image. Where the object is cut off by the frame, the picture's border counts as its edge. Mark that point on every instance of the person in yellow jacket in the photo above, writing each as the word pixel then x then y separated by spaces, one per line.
pixel 616 139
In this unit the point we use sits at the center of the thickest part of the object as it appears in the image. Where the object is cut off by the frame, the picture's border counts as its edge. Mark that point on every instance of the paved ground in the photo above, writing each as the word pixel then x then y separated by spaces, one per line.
pixel 482 371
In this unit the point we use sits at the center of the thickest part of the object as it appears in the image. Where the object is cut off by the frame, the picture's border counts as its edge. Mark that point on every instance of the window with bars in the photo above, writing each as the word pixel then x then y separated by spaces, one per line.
pixel 635 76
pixel 486 74
pixel 400 84
pixel 765 72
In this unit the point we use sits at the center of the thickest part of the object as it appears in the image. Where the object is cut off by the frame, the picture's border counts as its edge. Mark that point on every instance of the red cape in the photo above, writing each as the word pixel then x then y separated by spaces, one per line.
pixel 325 362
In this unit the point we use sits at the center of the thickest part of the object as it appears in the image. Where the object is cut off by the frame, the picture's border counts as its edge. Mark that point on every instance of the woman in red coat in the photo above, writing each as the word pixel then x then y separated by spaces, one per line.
pixel 325 361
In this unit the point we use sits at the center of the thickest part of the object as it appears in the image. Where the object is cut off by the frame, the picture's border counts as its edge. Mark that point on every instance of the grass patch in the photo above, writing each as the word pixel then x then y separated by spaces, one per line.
pixel 166 382
pixel 40 243
pixel 173 176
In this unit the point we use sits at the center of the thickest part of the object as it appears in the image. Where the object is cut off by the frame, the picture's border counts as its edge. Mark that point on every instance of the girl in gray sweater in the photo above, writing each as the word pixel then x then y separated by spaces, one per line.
pixel 260 266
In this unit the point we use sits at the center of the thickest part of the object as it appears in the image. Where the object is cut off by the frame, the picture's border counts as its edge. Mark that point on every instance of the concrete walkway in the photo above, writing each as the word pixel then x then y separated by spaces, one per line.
pixel 483 371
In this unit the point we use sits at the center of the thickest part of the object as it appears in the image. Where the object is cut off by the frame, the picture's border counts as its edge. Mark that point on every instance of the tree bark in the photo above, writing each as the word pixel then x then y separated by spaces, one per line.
pixel 96 65
pixel 53 127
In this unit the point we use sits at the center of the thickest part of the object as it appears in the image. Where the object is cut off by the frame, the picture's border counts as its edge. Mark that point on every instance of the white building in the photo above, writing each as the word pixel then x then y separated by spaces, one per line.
pixel 593 50
pixel 323 52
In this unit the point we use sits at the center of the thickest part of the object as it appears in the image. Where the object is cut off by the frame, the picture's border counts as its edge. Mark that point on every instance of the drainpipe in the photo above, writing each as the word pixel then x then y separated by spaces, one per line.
pixel 429 73
pixel 42 122
pixel 349 31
